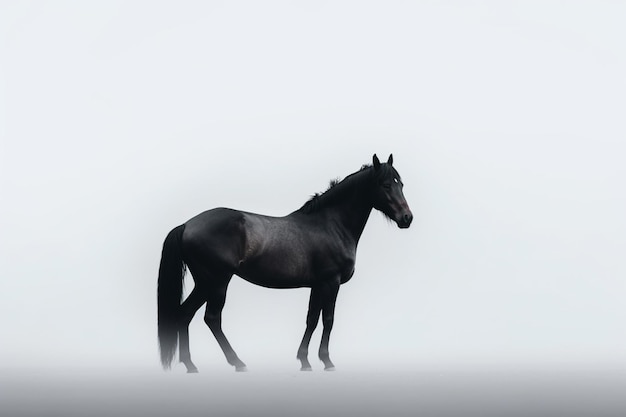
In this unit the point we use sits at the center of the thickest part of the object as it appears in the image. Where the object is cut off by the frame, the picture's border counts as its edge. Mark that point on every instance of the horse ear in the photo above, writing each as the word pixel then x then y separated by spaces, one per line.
pixel 375 162
pixel 390 160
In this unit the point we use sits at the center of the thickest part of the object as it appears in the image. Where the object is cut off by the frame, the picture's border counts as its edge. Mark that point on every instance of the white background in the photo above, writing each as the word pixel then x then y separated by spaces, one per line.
pixel 121 120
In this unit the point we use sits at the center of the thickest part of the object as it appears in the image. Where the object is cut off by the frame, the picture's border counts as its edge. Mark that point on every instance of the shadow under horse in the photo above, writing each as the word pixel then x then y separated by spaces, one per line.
pixel 312 247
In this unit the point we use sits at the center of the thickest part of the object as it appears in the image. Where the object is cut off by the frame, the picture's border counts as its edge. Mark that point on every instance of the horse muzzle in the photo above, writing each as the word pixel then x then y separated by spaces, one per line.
pixel 405 220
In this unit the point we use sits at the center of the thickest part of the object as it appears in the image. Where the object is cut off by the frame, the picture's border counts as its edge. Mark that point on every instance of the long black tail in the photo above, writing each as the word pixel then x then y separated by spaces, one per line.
pixel 169 294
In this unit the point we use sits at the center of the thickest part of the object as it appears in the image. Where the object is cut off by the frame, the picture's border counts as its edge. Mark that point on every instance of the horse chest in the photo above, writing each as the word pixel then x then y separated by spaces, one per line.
pixel 335 261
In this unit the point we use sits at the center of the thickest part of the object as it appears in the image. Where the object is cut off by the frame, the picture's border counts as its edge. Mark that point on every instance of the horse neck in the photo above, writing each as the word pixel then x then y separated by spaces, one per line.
pixel 351 212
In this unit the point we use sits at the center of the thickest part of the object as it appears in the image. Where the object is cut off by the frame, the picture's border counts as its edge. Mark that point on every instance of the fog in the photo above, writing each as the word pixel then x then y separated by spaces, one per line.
pixel 121 120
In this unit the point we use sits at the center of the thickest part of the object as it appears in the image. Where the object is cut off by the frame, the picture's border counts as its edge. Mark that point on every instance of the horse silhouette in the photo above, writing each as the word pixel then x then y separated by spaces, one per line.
pixel 314 247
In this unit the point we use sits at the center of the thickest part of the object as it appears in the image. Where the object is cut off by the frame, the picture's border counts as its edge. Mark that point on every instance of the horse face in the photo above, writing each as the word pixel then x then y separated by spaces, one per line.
pixel 388 195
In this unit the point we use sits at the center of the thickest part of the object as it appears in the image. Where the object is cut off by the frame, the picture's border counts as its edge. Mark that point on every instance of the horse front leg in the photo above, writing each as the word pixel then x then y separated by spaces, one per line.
pixel 328 317
pixel 322 300
pixel 312 317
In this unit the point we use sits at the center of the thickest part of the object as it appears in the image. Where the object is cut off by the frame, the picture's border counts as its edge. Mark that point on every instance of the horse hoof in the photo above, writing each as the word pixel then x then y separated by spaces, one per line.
pixel 241 369
pixel 330 369
pixel 192 371
pixel 306 369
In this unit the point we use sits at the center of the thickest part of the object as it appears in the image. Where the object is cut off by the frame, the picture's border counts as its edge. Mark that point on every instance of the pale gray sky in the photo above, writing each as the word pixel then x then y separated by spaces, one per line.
pixel 120 120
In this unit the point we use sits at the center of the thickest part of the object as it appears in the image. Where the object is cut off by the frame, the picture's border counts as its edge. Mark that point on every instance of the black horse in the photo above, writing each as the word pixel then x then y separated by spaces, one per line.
pixel 314 247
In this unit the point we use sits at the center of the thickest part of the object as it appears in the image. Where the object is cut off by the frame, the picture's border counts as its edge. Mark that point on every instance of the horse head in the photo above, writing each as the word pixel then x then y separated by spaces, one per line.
pixel 387 193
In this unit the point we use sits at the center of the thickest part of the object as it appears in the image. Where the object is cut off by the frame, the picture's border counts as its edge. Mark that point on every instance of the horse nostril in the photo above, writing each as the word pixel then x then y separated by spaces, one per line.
pixel 407 218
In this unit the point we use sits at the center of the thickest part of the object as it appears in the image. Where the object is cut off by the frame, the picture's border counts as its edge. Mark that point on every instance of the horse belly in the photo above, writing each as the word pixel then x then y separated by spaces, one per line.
pixel 275 272
pixel 275 254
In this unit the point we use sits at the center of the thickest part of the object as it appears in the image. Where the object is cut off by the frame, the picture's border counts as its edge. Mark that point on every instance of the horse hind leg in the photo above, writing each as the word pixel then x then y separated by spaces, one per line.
pixel 213 318
pixel 188 310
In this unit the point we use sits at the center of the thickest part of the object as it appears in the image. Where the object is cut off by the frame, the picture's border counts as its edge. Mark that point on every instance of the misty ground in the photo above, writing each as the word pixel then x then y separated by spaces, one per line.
pixel 292 393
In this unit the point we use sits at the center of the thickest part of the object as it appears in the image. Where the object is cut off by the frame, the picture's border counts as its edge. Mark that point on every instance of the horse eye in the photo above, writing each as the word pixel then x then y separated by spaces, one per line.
pixel 395 180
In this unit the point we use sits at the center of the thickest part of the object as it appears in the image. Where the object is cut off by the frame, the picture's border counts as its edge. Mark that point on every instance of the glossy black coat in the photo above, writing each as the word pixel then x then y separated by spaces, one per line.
pixel 313 247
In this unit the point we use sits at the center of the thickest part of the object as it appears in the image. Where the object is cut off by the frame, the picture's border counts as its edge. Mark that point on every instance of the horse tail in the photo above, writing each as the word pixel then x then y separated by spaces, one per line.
pixel 169 294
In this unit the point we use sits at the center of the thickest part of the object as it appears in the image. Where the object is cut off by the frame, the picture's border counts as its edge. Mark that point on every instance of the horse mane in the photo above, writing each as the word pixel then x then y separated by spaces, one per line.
pixel 335 187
